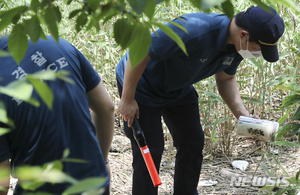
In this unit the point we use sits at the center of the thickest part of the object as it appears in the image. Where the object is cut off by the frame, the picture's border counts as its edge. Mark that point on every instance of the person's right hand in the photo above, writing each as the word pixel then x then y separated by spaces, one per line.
pixel 128 109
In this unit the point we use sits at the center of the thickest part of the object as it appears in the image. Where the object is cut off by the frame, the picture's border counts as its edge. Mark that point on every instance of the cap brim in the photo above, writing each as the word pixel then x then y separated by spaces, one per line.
pixel 270 53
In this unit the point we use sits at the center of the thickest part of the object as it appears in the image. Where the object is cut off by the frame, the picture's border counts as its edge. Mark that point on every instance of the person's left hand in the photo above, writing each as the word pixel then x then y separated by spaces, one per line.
pixel 252 116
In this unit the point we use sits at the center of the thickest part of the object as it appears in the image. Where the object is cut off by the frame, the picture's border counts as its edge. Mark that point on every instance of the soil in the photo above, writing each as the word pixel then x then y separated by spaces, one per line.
pixel 212 168
pixel 244 149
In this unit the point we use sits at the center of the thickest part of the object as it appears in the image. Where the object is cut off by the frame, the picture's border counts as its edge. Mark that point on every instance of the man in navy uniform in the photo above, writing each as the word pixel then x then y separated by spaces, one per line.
pixel 162 85
pixel 41 135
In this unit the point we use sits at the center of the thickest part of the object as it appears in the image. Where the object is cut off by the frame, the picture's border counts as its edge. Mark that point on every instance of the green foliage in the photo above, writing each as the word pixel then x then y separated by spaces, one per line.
pixel 33 177
pixel 4 130
pixel 141 43
pixel 90 13
pixel 291 101
pixel 172 35
pixel 17 43
pixel 4 118
pixel 22 90
pixel 43 90
pixel 50 19
pixel 89 184
pixel 138 6
pixel 19 89
pixel 33 28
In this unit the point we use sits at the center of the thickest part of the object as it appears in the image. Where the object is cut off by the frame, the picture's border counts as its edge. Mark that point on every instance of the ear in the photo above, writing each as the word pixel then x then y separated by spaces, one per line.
pixel 243 33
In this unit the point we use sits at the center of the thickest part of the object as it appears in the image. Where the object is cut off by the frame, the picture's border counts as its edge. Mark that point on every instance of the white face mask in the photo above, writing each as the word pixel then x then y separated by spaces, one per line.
pixel 248 54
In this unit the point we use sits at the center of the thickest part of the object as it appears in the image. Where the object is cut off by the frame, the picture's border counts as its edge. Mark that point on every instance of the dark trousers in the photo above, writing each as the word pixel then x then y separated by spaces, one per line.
pixel 183 121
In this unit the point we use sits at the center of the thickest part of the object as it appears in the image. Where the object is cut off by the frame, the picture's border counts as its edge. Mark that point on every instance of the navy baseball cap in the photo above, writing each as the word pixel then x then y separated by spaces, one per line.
pixel 267 27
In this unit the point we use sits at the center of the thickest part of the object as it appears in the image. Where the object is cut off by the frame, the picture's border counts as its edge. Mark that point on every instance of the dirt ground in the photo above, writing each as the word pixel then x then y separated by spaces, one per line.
pixel 212 168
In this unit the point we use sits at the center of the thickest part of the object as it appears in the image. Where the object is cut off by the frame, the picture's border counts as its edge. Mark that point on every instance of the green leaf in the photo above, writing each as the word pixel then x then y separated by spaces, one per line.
pixel 74 13
pixel 43 90
pixel 124 32
pixel 57 14
pixel 277 162
pixel 137 5
pixel 196 3
pixel 34 29
pixel 290 4
pixel 66 153
pixel 119 27
pixel 291 99
pixel 111 13
pixel 33 5
pixel 63 76
pixel 207 4
pixel 19 89
pixel 284 116
pixel 150 9
pixel 295 130
pixel 32 185
pixel 93 23
pixel 50 19
pixel 251 99
pixel 9 14
pixel 43 36
pixel 68 2
pixel 285 87
pixel 81 21
pixel 297 175
pixel 296 115
pixel 140 45
pixel 44 75
pixel 4 130
pixel 280 191
pixel 16 18
pixel 85 184
pixel 159 1
pixel 228 8
pixel 73 160
pixel 266 169
pixel 33 102
pixel 36 173
pixel 172 35
pixel 286 128
pixel 3 116
pixel 283 143
pixel 179 26
pixel 4 23
pixel 94 3
pixel 28 173
pixel 213 133
pixel 256 64
pixel 57 164
pixel 4 54
pixel 17 43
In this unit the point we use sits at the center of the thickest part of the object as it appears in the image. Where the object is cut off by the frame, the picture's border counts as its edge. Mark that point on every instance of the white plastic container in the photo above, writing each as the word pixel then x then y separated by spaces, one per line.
pixel 256 128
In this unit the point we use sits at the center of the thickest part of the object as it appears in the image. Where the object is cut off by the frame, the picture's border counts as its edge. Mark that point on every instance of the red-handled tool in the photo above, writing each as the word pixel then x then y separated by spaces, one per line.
pixel 141 141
